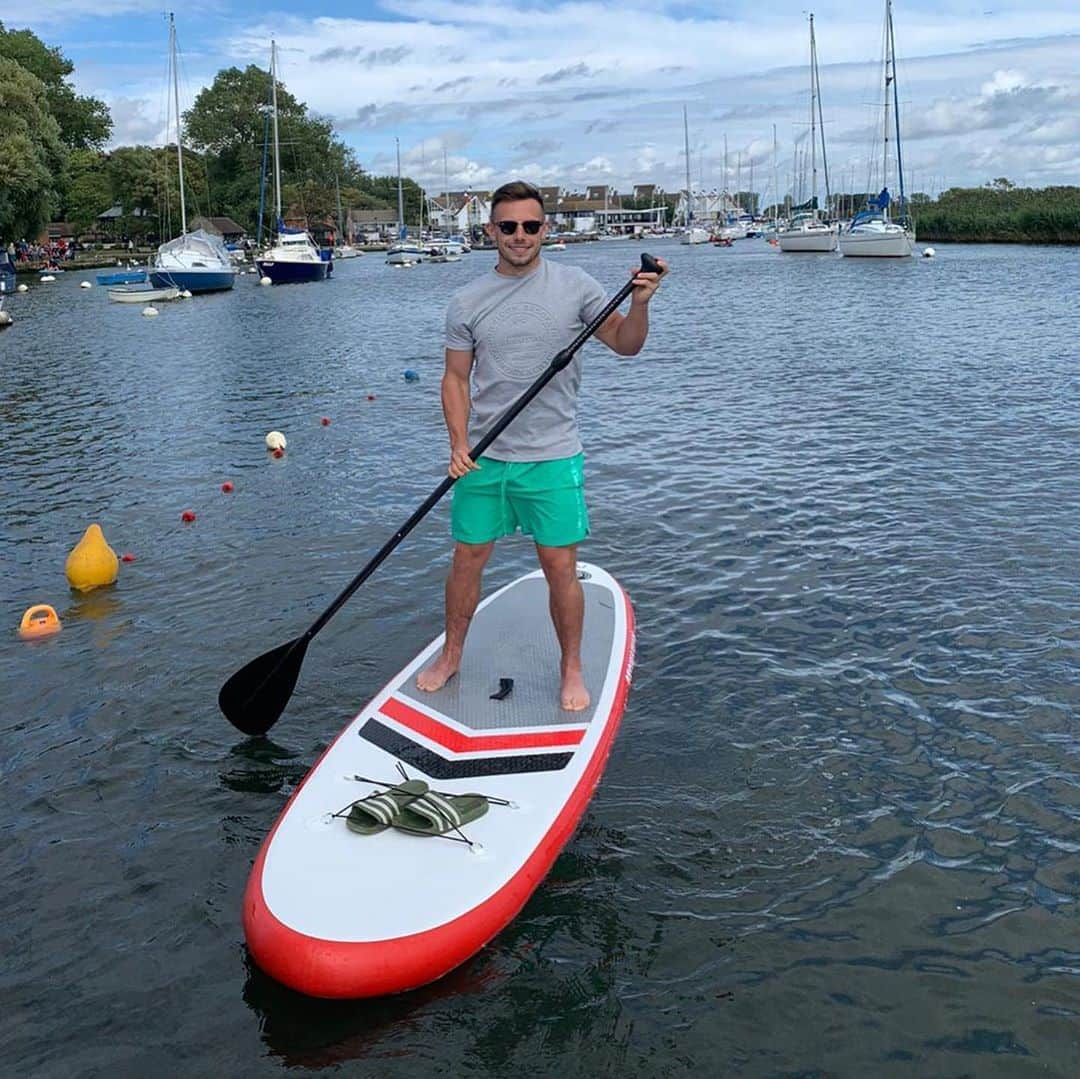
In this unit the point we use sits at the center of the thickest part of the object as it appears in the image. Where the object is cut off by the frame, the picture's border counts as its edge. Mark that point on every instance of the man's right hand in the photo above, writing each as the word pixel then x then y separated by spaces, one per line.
pixel 461 462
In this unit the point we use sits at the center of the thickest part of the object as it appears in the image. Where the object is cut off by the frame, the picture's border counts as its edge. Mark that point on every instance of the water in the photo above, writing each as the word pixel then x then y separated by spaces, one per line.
pixel 839 830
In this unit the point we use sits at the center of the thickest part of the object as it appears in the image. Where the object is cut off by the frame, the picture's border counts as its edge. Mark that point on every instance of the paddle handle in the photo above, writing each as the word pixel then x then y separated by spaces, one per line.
pixel 560 360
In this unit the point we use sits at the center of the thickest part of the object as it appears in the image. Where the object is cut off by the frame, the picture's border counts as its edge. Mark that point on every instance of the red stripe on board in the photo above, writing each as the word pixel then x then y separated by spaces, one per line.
pixel 457 742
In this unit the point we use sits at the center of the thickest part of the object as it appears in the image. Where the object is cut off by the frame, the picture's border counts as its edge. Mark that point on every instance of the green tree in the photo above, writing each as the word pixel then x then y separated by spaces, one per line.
pixel 84 122
pixel 32 155
pixel 228 123
pixel 134 175
pixel 89 192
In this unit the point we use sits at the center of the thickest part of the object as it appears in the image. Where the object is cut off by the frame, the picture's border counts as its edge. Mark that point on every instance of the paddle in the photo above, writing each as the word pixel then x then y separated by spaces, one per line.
pixel 256 695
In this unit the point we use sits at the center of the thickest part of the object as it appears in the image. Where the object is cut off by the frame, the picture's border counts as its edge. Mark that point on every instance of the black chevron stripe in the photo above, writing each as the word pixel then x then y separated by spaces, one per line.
pixel 405 749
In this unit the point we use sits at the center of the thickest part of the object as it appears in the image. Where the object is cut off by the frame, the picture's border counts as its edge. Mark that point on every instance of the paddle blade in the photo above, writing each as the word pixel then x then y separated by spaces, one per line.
pixel 254 697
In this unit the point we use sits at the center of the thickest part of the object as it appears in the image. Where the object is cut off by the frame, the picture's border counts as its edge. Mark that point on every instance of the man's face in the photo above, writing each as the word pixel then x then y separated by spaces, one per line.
pixel 518 249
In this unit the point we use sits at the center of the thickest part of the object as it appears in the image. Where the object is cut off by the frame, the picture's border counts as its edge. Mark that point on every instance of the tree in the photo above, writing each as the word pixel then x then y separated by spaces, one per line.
pixel 32 154
pixel 229 123
pixel 84 122
pixel 134 174
pixel 89 192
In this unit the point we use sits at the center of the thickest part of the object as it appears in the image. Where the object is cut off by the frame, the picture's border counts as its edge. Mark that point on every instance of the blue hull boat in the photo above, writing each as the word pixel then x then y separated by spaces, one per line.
pixel 121 277
pixel 193 280
pixel 292 273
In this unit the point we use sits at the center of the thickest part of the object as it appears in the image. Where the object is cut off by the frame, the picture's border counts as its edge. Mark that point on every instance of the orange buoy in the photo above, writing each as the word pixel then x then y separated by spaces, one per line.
pixel 39 621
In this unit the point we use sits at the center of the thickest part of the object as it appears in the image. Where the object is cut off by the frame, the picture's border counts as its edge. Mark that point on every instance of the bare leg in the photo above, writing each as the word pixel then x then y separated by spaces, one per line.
pixel 567 602
pixel 462 596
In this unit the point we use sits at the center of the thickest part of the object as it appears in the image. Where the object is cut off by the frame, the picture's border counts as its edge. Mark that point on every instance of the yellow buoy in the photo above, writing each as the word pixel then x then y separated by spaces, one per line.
pixel 39 621
pixel 92 562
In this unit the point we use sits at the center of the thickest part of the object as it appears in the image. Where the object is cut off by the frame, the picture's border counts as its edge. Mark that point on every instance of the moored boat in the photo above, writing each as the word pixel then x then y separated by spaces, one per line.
pixel 143 295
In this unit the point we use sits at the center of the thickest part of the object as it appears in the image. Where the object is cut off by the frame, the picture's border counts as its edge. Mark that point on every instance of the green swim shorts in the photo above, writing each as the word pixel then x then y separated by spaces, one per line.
pixel 544 499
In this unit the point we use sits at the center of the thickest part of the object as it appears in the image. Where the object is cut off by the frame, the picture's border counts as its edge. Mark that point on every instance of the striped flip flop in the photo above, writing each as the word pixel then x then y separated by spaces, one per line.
pixel 377 812
pixel 437 814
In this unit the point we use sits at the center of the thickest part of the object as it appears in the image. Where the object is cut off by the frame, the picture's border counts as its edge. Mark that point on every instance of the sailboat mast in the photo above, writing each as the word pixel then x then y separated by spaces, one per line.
pixel 179 125
pixel 775 180
pixel 896 101
pixel 340 219
pixel 821 124
pixel 446 191
pixel 888 82
pixel 686 144
pixel 400 195
pixel 813 120
pixel 277 152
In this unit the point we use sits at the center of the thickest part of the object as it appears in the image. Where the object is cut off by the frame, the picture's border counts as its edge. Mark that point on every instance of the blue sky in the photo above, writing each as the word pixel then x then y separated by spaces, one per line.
pixel 584 92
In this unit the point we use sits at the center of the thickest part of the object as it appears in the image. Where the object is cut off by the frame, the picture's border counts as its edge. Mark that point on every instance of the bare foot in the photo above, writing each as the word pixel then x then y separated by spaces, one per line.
pixel 574 697
pixel 437 675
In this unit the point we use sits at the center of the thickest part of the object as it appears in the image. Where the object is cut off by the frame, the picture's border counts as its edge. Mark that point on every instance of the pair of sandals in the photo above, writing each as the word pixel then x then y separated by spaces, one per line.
pixel 412 807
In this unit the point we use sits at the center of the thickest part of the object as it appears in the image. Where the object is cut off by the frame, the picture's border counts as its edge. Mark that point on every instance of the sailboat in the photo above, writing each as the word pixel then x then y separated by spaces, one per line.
pixel 806 231
pixel 344 250
pixel 691 233
pixel 196 261
pixel 404 252
pixel 295 257
pixel 872 232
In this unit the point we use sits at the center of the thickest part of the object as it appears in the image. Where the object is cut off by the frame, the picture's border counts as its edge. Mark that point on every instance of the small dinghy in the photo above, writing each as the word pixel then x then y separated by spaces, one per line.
pixel 143 295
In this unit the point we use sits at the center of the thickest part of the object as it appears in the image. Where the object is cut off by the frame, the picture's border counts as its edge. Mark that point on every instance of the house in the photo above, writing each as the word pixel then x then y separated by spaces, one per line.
pixel 225 227
pixel 600 209
pixel 370 225
pixel 463 212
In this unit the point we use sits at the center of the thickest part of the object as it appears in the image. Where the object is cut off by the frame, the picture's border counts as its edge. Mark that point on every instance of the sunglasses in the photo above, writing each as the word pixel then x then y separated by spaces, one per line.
pixel 508 228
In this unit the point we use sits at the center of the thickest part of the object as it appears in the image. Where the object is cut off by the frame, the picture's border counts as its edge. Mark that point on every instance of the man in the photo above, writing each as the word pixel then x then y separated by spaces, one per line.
pixel 502 331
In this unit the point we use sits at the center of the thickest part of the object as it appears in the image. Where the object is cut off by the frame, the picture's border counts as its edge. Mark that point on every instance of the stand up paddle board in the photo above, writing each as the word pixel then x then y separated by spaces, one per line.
pixel 335 913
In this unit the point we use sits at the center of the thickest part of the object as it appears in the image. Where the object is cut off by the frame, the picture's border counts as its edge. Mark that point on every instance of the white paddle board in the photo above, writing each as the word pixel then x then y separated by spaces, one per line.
pixel 332 913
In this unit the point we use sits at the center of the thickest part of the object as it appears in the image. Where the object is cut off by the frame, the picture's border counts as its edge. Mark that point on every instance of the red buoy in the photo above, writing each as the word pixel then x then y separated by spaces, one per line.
pixel 279 452
pixel 187 516
pixel 371 397
pixel 128 557
pixel 325 421
pixel 227 487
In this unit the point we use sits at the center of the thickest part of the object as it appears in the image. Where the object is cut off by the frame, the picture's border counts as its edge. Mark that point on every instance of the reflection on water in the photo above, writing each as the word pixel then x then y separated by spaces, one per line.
pixel 839 827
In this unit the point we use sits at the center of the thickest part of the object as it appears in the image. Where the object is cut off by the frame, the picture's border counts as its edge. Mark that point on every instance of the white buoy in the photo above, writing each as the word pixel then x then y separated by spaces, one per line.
pixel 22 288
pixel 928 252
pixel 265 281
pixel 186 294
pixel 85 284
pixel 275 440
pixel 150 311
pixel 47 277
pixel 5 319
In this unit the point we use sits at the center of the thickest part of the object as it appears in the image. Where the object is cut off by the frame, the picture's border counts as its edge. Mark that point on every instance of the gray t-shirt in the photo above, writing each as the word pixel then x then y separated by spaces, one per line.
pixel 514 326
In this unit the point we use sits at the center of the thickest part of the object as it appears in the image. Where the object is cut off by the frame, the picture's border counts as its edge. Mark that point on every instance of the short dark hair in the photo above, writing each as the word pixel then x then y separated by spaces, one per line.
pixel 515 191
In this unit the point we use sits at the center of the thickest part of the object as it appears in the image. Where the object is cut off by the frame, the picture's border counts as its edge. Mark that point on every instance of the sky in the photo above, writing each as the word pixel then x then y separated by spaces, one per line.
pixel 580 92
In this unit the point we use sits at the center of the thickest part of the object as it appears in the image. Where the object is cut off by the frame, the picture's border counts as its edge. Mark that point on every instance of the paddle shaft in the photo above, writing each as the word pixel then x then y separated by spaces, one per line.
pixel 561 360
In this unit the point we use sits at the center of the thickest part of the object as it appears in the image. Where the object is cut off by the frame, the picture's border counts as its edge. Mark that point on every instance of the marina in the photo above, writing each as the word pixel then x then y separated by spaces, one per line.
pixel 842 798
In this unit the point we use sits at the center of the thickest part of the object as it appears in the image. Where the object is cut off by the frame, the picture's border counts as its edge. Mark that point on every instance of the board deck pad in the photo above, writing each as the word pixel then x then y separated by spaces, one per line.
pixel 335 914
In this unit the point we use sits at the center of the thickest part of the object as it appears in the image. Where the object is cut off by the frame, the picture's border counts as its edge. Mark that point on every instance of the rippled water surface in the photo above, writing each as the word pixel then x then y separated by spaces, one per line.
pixel 839 833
